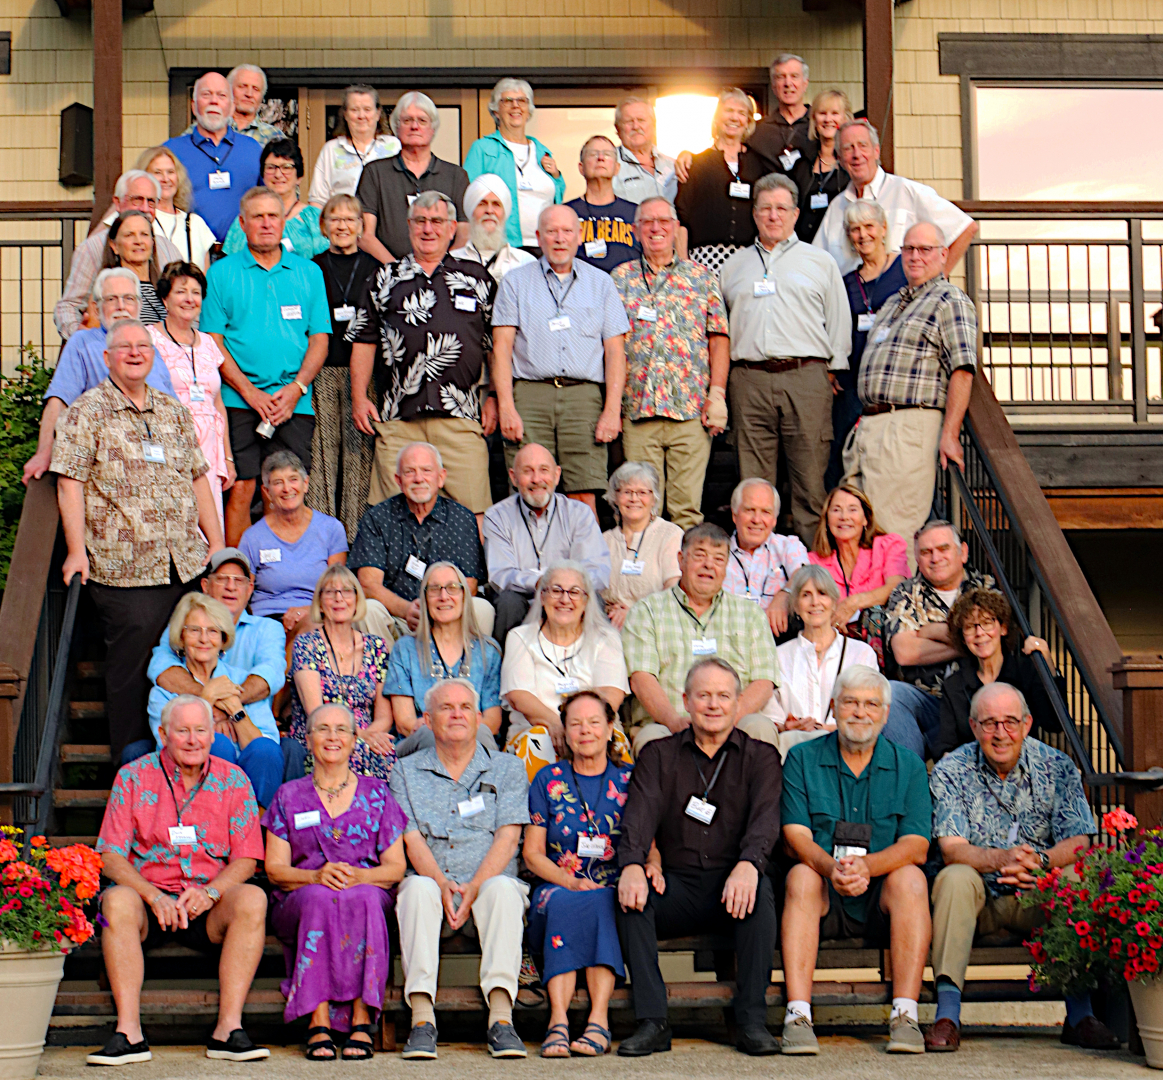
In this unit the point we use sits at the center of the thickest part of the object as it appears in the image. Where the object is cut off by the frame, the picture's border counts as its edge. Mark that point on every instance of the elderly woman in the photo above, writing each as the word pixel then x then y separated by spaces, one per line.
pixel 130 244
pixel 334 852
pixel 291 545
pixel 564 645
pixel 280 170
pixel 201 630
pixel 981 624
pixel 186 231
pixel 818 175
pixel 337 663
pixel 524 163
pixel 193 360
pixel 643 547
pixel 361 135
pixel 571 844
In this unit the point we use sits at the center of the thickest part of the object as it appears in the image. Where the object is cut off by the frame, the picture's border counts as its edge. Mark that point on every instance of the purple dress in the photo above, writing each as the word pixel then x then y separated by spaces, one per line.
pixel 335 943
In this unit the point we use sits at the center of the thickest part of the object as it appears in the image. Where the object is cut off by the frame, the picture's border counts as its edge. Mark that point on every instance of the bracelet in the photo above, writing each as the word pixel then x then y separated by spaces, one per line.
pixel 231 460
pixel 300 386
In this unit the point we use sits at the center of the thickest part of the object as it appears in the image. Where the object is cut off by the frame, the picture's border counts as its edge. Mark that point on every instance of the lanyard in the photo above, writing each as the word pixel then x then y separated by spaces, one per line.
pixel 335 656
pixel 137 412
pixel 839 668
pixel 449 673
pixel 548 529
pixel 641 541
pixel 371 149
pixel 217 161
pixel 715 775
pixel 565 659
pixel 664 272
pixel 180 810
pixel 528 158
pixel 591 825
pixel 553 295
pixel 762 257
pixel 691 615
pixel 997 795
pixel 193 366
pixel 633 160
pixel 766 572
pixel 864 295
pixel 350 280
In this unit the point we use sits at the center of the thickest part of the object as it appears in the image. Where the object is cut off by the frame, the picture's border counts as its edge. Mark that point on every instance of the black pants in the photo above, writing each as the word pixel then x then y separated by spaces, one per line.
pixel 512 606
pixel 692 904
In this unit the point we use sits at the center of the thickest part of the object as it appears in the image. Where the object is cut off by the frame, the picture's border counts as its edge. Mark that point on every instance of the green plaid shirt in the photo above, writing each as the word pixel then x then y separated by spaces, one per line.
pixel 661 629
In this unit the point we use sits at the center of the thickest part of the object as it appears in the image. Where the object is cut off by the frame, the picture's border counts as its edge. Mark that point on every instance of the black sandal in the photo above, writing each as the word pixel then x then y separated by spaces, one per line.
pixel 365 1051
pixel 326 1045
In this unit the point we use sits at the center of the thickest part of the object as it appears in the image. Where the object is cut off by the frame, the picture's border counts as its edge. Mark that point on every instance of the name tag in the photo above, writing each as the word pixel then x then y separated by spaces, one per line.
pixel 266 556
pixel 183 835
pixel 819 201
pixel 220 180
pixel 848 851
pixel 306 819
pixel 523 184
pixel 881 336
pixel 344 313
pixel 700 810
pixel 646 313
pixel 1012 835
pixel 755 598
pixel 567 686
pixel 558 323
pixel 291 311
pixel 591 847
pixel 465 303
pixel 764 288
pixel 287 243
pixel 595 249
pixel 864 321
pixel 789 157
pixel 415 567
pixel 197 393
pixel 412 199
pixel 471 807
pixel 630 568
pixel 737 189
pixel 154 452
pixel 705 646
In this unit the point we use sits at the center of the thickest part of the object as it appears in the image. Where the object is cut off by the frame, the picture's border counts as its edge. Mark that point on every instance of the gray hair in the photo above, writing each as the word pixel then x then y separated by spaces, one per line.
pixel 752 481
pixel 864 212
pixel 776 182
pixel 510 84
pixel 180 701
pixel 129 176
pixel 548 208
pixel 716 662
pixel 812 575
pixel 861 123
pixel 281 459
pixel 634 470
pixel 414 97
pixel 254 69
pixel 988 690
pixel 656 199
pixel 412 446
pixel 936 523
pixel 326 707
pixel 98 293
pixel 470 631
pixel 432 692
pixel 124 324
pixel 426 200
pixel 708 531
pixel 862 677
pixel 631 100
pixel 594 615
pixel 787 57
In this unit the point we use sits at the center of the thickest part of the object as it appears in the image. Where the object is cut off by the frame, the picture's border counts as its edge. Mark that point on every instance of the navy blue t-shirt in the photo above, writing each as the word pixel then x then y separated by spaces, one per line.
pixel 868 297
pixel 611 222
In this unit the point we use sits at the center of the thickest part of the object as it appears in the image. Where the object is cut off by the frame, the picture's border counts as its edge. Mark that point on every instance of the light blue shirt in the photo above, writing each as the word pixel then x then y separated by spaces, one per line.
pixel 285 574
pixel 259 711
pixel 405 677
pixel 236 155
pixel 82 366
pixel 260 648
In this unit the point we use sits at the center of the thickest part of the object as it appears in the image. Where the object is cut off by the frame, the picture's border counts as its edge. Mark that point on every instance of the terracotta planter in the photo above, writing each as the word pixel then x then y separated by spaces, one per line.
pixel 1147 997
pixel 28 988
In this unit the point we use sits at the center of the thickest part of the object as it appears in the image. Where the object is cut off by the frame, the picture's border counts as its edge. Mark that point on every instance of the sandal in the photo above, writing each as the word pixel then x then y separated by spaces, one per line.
pixel 556 1039
pixel 364 1051
pixel 586 1046
pixel 325 1045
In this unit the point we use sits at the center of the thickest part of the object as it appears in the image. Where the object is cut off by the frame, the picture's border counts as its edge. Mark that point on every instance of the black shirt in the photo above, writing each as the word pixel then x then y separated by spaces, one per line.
pixel 345 277
pixel 386 184
pixel 746 796
pixel 704 203
pixel 812 183
pixel 773 134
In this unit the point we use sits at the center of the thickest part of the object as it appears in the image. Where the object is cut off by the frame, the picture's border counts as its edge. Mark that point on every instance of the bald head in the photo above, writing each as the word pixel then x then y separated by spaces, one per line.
pixel 923 253
pixel 213 102
pixel 535 475
pixel 1000 720
pixel 559 234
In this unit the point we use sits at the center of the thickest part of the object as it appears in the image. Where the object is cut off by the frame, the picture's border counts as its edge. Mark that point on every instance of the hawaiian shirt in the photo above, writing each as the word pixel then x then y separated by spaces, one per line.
pixel 144 806
pixel 434 334
pixel 668 370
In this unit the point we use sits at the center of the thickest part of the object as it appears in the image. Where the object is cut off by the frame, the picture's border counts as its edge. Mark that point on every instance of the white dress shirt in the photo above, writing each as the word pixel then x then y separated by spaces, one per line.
pixel 497 263
pixel 805 687
pixel 634 182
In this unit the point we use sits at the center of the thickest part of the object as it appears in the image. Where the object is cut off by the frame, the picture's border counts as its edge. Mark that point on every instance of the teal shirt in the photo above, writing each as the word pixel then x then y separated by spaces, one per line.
pixel 891 794
pixel 251 307
pixel 489 154
pixel 302 231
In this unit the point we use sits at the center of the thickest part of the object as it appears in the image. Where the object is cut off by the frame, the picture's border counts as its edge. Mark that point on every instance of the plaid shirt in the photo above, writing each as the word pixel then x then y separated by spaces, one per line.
pixel 257 129
pixel 916 343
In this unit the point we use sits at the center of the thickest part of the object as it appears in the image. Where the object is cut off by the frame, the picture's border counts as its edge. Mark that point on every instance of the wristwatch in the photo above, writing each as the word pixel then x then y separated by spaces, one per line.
pixel 1045 857
pixel 300 386
pixel 213 893
pixel 240 715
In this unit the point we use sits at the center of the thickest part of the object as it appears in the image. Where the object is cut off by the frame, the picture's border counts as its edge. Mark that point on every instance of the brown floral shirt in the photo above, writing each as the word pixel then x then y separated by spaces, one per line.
pixel 138 513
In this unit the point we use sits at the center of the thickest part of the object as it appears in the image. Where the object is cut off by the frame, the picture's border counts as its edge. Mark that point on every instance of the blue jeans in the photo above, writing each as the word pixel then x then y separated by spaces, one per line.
pixel 262 761
pixel 913 718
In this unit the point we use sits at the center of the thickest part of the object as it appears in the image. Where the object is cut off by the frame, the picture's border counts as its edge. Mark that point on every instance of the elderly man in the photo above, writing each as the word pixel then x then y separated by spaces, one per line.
pixel 132 489
pixel 667 631
pixel 783 136
pixel 643 171
pixel 488 202
pixel 248 88
pixel 466 804
pixel 762 561
pixel 180 841
pixel 677 359
pixel 134 190
pixel 221 162
pixel 388 187
pixel 905 201
pixel 915 381
pixel 607 221
pixel 559 363
pixel 266 307
pixel 1005 808
pixel 862 868
pixel 430 316
pixel 709 798
pixel 533 529
pixel 791 326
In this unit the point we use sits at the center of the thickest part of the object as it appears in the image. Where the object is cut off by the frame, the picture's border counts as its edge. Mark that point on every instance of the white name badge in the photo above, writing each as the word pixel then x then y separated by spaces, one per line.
pixel 737 189
pixel 764 288
pixel 344 313
pixel 465 303
pixel 566 686
pixel 848 851
pixel 306 819
pixel 789 157
pixel 291 311
pixel 864 321
pixel 707 646
pixel 181 835
pixel 646 313
pixel 220 180
pixel 1012 835
pixel 700 810
pixel 630 568
pixel 415 567
pixel 591 847
pixel 595 249
pixel 412 199
pixel 524 185
pixel 558 323
pixel 471 807
pixel 819 201
pixel 881 336
pixel 287 243
pixel 197 393
pixel 266 556
pixel 755 598
pixel 154 452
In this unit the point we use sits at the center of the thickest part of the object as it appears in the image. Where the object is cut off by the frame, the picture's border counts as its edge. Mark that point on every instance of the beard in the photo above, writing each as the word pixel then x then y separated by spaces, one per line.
pixel 538 499
pixel 486 240
pixel 212 123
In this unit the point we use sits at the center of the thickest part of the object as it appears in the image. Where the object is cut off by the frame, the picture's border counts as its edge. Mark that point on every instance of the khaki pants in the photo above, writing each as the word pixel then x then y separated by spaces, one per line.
pixel 756 725
pixel 563 419
pixel 680 451
pixel 462 448
pixel 499 915
pixel 892 458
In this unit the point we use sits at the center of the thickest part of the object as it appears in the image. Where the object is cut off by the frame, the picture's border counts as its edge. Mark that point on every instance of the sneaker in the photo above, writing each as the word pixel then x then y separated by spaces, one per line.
pixel 421 1043
pixel 799 1037
pixel 504 1042
pixel 237 1048
pixel 904 1036
pixel 120 1051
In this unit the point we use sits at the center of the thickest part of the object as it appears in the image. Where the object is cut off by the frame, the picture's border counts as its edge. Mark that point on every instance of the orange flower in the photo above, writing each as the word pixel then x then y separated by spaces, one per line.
pixel 77 863
pixel 8 851
pixel 38 841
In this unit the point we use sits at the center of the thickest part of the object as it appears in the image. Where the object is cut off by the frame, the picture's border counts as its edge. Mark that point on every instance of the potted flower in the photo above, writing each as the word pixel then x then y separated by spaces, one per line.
pixel 41 918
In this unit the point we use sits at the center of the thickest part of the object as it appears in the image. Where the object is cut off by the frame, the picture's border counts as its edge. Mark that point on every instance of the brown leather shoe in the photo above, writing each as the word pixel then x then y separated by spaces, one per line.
pixel 1091 1034
pixel 943 1037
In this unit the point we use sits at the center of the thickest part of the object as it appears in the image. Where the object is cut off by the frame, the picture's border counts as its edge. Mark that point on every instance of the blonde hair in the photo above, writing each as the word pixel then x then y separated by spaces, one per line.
pixel 337 201
pixel 183 197
pixel 340 573
pixel 818 102
pixel 215 610
pixel 733 93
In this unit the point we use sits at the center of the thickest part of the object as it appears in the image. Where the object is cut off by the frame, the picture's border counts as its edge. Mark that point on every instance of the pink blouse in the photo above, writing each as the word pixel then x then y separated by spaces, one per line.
pixel 888 557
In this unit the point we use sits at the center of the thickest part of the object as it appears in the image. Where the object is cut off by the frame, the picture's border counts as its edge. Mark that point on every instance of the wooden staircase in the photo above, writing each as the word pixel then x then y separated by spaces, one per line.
pixel 85 770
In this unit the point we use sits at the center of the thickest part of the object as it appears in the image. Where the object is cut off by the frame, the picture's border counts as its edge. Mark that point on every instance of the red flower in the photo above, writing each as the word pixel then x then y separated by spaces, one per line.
pixel 1037 951
pixel 1132 949
pixel 1082 928
pixel 1142 929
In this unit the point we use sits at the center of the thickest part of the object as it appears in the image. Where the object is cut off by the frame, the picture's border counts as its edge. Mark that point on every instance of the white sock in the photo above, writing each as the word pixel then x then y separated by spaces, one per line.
pixel 905 1006
pixel 798 1008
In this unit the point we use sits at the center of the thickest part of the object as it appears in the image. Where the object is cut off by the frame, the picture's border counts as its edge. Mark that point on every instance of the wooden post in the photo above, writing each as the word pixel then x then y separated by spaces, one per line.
pixel 107 69
pixel 1140 678
pixel 878 44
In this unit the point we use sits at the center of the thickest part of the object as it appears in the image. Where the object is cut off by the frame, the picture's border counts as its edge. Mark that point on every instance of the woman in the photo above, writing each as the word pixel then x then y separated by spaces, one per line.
pixel 341 454
pixel 335 849
pixel 819 176
pixel 173 220
pixel 193 360
pixel 361 135
pixel 714 203
pixel 571 843
pixel 981 624
pixel 865 562
pixel 337 664
pixel 643 547
pixel 281 169
pixel 810 662
pixel 291 546
pixel 525 164
pixel 563 646
pixel 201 630
pixel 448 645
pixel 130 244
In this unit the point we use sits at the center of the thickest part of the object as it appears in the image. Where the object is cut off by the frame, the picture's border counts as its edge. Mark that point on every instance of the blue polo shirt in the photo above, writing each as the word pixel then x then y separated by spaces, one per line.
pixel 237 155
pixel 82 366
pixel 265 317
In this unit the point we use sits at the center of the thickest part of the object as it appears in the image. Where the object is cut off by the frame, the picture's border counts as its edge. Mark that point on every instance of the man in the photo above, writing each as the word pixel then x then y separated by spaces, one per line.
pixel 132 489
pixel 607 221
pixel 915 381
pixel 709 798
pixel 791 326
pixel 1005 808
pixel 643 171
pixel 533 529
pixel 782 137
pixel 487 205
pixel 134 190
pixel 180 840
pixel 222 162
pixel 558 343
pixel 430 316
pixel 677 359
pixel 248 86
pixel 762 561
pixel 388 187
pixel 466 804
pixel 667 631
pixel 856 871
pixel 905 201
pixel 266 308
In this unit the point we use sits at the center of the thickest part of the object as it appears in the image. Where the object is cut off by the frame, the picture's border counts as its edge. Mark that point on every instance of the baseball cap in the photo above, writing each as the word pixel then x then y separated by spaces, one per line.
pixel 228 554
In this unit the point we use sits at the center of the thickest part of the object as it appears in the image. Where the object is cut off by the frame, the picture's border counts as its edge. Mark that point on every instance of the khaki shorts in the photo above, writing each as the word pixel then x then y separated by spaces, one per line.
pixel 562 419
pixel 462 448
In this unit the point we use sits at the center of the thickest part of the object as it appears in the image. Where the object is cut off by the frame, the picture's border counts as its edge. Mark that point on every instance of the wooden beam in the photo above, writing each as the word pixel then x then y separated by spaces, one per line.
pixel 878 45
pixel 1113 508
pixel 107 69
pixel 1140 680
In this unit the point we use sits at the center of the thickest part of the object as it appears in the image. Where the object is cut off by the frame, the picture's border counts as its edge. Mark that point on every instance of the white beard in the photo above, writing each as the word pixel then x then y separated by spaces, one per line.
pixel 484 240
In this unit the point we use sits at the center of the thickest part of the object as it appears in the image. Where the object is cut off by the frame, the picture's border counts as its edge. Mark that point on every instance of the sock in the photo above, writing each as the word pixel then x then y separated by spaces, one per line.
pixel 1078 1009
pixel 906 1007
pixel 798 1008
pixel 423 1010
pixel 948 1000
pixel 500 1006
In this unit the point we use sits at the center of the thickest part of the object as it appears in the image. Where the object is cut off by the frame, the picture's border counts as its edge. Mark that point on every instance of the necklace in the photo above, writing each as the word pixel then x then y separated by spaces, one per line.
pixel 332 793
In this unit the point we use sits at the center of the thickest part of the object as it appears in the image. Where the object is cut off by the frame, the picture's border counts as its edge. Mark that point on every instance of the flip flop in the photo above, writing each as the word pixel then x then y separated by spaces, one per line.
pixel 556 1038
pixel 586 1047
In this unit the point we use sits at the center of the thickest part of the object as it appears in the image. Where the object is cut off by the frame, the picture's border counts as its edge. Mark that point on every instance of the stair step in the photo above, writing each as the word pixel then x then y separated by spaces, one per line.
pixel 75 753
pixel 86 710
pixel 68 841
pixel 80 798
pixel 90 669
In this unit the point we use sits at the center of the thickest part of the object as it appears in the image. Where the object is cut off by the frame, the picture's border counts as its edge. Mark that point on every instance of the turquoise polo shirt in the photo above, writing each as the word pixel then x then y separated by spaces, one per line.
pixel 265 317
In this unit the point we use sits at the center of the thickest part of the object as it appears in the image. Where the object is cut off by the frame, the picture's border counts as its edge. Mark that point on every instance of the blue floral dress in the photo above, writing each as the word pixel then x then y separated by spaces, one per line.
pixel 570 931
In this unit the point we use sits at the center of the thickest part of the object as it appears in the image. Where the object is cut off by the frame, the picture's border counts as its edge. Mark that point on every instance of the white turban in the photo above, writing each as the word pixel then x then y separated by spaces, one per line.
pixel 481 186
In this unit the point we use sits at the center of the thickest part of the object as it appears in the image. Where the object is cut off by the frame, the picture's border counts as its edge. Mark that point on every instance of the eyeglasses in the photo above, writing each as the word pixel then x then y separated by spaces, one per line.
pixel 776 208
pixel 420 222
pixel 986 626
pixel 855 705
pixel 455 589
pixel 1012 725
pixel 637 493
pixel 661 222
pixel 232 580
pixel 342 732
pixel 132 350
pixel 347 592
pixel 124 300
pixel 415 121
pixel 924 250
pixel 558 592
pixel 287 170
pixel 514 101
pixel 210 632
